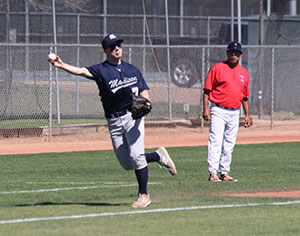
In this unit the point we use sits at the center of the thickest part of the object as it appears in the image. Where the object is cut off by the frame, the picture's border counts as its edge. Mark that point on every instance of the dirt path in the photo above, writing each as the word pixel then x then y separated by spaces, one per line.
pixel 155 137
pixel 287 194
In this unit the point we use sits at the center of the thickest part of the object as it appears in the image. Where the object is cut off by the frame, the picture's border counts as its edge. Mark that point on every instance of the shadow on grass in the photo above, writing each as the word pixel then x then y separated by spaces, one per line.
pixel 69 203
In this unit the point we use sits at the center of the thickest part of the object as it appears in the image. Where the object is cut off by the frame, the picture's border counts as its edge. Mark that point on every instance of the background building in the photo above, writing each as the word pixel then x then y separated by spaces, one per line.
pixel 87 21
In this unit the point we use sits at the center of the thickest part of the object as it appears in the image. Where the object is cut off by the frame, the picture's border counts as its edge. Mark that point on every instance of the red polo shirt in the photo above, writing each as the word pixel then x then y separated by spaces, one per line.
pixel 227 86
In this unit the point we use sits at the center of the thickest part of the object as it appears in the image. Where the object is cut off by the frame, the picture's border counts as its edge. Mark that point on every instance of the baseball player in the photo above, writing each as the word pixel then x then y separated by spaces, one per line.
pixel 117 80
pixel 226 87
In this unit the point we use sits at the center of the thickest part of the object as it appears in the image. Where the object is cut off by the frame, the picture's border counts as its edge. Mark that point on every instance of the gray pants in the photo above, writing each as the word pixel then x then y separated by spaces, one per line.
pixel 127 136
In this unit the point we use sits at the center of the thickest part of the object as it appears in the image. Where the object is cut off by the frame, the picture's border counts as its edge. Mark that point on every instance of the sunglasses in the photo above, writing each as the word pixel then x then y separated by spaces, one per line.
pixel 235 52
pixel 114 45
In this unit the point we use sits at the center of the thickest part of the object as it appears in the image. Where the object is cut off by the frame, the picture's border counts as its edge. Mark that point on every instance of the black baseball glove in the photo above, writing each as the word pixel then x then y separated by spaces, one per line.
pixel 140 107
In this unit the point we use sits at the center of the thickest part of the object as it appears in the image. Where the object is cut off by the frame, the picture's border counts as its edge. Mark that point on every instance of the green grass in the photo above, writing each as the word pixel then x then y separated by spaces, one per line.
pixel 259 167
pixel 23 123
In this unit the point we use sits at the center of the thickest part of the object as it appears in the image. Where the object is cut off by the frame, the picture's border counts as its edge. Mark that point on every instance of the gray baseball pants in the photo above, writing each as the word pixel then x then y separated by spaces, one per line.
pixel 127 136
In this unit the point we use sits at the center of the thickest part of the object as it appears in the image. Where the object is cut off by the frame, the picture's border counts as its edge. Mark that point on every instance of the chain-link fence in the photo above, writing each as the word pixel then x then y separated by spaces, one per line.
pixel 32 91
pixel 173 46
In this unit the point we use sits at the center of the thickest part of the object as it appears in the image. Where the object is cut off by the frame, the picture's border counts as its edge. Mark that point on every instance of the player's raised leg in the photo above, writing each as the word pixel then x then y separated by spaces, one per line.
pixel 163 158
pixel 166 161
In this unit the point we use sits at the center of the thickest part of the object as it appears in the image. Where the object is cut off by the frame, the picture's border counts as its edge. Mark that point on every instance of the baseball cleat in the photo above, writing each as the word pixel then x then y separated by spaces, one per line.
pixel 142 201
pixel 166 161
pixel 214 178
pixel 228 178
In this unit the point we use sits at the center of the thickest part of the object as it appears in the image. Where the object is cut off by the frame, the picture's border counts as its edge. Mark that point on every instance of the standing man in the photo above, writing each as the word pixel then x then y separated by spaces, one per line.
pixel 117 80
pixel 226 87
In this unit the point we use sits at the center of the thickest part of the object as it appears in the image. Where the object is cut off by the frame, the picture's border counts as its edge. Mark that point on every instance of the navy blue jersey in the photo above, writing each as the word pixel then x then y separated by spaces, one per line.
pixel 116 84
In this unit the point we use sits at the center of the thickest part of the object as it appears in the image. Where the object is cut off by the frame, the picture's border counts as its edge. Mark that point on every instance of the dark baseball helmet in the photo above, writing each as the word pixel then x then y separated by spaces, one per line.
pixel 235 45
pixel 109 40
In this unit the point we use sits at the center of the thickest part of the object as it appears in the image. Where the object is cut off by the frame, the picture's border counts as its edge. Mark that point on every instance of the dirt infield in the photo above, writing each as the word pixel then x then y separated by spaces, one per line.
pixel 287 194
pixel 260 132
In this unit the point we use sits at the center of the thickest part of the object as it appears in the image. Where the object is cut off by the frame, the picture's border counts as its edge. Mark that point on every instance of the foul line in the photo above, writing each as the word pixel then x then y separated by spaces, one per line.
pixel 145 212
pixel 73 188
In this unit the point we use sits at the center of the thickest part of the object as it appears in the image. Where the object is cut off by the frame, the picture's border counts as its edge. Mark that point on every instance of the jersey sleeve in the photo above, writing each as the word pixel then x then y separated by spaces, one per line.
pixel 94 70
pixel 142 85
pixel 246 90
pixel 209 79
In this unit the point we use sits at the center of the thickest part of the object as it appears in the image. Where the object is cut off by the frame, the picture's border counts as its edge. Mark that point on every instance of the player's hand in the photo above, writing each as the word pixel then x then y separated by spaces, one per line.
pixel 247 121
pixel 206 115
pixel 57 62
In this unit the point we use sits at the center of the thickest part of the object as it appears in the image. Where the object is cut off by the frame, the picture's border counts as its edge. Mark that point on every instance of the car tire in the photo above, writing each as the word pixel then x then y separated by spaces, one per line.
pixel 183 73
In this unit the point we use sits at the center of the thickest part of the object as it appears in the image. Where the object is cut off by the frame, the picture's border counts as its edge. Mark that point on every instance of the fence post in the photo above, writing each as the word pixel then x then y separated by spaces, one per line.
pixel 9 65
pixel 129 54
pixel 208 42
pixel 144 48
pixel 202 84
pixel 27 39
pixel 168 59
pixel 50 98
pixel 78 64
pixel 272 88
pixel 261 54
pixel 56 70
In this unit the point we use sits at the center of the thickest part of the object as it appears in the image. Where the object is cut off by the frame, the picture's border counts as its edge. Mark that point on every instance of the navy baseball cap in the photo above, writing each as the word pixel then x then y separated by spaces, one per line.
pixel 109 40
pixel 235 45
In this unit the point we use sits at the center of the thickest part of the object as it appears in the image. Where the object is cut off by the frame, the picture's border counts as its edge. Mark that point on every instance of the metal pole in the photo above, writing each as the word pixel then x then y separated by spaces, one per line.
pixel 8 21
pixel 26 22
pixel 272 88
pixel 8 56
pixel 78 62
pixel 293 7
pixel 268 8
pixel 168 59
pixel 26 40
pixel 240 36
pixel 144 48
pixel 105 17
pixel 239 21
pixel 202 84
pixel 9 92
pixel 50 99
pixel 129 54
pixel 56 70
pixel 181 12
pixel 208 43
pixel 104 21
pixel 208 30
pixel 261 40
pixel 54 23
pixel 232 20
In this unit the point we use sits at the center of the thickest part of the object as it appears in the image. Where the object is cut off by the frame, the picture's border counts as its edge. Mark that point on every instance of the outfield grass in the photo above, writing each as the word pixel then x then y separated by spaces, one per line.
pixel 83 183
pixel 43 122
